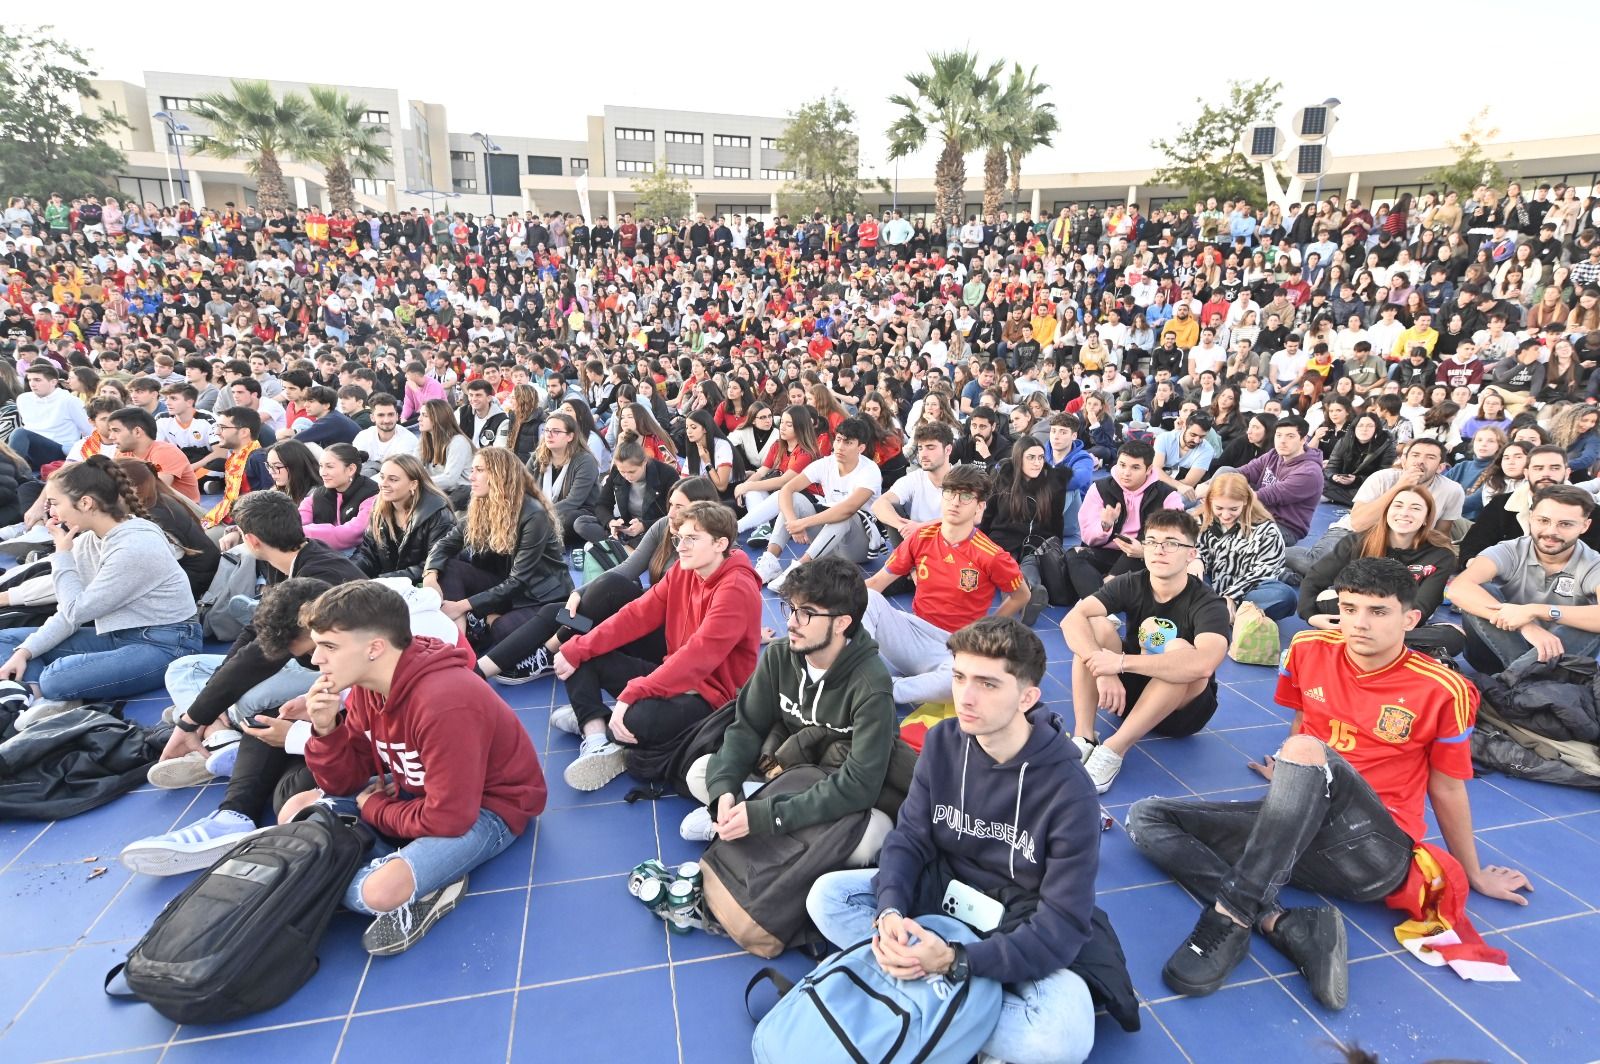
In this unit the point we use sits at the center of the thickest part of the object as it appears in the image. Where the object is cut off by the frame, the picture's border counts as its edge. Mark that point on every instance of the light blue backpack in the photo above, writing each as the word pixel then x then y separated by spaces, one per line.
pixel 850 1011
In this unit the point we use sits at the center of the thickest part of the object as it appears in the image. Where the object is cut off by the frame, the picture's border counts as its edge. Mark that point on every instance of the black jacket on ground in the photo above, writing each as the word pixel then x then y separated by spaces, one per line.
pixel 74 762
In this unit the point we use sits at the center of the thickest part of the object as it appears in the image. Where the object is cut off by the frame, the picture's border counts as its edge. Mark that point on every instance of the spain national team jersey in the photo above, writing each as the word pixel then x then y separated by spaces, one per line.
pixel 1393 726
pixel 955 582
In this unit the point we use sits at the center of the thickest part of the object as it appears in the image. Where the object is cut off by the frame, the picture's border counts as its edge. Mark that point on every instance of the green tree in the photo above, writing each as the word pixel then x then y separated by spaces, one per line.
pixel 253 121
pixel 344 143
pixel 47 144
pixel 1472 166
pixel 1205 157
pixel 950 102
pixel 1022 122
pixel 821 146
pixel 661 194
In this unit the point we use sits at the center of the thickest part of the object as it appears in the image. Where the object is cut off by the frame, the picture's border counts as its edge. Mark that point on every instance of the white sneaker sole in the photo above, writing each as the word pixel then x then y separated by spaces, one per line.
pixel 697 827
pixel 595 771
pixel 450 896
pixel 152 858
pixel 564 720
pixel 180 772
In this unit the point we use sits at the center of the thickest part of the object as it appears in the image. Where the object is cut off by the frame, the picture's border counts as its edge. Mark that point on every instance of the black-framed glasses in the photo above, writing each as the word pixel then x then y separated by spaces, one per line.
pixel 803 614
pixel 1166 546
pixel 952 495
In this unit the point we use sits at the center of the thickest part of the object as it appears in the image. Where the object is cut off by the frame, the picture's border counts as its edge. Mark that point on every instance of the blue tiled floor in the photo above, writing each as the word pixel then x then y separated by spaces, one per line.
pixel 549 959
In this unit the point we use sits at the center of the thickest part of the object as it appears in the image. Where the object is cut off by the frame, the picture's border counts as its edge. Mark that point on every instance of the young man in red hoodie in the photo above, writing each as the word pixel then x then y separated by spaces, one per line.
pixel 457 779
pixel 710 605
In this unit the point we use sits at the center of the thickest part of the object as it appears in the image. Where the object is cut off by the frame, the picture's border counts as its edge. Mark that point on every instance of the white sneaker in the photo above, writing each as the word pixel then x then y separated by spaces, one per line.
pixel 189 849
pixel 1103 764
pixel 564 719
pixel 768 567
pixel 1085 746
pixel 698 826
pixel 44 709
pixel 178 772
pixel 599 762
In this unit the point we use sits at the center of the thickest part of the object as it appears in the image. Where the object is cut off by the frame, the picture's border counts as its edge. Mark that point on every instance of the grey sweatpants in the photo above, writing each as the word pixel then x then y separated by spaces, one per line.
pixel 913 649
pixel 847 538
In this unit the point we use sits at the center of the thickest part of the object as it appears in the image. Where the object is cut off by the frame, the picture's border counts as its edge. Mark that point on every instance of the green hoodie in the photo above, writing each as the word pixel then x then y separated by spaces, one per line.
pixel 854 700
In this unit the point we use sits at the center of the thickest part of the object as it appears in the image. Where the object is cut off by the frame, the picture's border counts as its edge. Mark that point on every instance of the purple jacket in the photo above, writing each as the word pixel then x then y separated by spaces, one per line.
pixel 1289 490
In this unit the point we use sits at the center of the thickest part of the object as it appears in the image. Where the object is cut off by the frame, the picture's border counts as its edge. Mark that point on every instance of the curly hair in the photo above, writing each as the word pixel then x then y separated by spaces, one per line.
pixel 492 517
pixel 277 618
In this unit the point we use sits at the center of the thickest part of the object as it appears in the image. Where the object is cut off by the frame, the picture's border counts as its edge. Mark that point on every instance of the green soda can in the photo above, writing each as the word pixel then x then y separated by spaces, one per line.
pixel 654 894
pixel 683 899
pixel 646 871
pixel 690 870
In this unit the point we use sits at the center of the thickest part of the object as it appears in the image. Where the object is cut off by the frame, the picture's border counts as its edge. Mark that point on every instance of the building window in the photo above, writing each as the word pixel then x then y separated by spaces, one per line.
pixel 547 165
pixel 769 143
pixel 579 166
pixel 634 166
pixel 732 171
pixel 178 103
pixel 676 137
pixel 777 175
pixel 375 187
pixel 686 169
pixel 186 140
pixel 723 140
pixel 465 184
pixel 377 118
pixel 463 156
pixel 624 133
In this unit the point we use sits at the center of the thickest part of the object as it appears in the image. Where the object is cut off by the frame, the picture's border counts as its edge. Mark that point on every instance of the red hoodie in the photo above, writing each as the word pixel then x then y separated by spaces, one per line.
pixel 713 632
pixel 445 737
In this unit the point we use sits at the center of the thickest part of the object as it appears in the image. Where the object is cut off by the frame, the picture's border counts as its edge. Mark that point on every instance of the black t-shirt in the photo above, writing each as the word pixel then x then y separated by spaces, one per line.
pixel 1150 624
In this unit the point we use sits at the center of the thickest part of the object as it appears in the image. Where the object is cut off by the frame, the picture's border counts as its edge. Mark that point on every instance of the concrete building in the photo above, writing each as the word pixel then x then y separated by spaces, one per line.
pixel 730 162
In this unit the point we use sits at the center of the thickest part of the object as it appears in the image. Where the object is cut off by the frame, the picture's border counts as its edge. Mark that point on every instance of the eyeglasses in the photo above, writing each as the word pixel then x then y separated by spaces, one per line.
pixel 691 540
pixel 952 495
pixel 802 615
pixel 1167 546
pixel 276 467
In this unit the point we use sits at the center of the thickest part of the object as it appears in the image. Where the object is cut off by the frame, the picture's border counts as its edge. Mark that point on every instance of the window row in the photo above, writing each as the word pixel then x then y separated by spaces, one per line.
pixel 686 169
pixel 778 175
pixel 179 103
pixel 731 171
pixel 635 166
pixel 724 140
pixel 624 133
pixel 674 137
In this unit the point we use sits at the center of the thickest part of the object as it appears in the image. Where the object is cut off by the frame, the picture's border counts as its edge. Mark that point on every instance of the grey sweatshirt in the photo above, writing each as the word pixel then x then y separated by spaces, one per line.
pixel 128 579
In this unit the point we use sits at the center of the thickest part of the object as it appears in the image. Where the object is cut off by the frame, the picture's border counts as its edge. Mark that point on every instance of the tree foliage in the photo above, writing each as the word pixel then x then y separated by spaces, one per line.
pixel 661 194
pixel 949 103
pixel 1205 157
pixel 252 121
pixel 1472 166
pixel 820 144
pixel 1020 121
pixel 344 143
pixel 47 143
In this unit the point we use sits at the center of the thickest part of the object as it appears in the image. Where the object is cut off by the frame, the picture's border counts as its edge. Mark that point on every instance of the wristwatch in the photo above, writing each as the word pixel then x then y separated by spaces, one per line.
pixel 958 967
pixel 882 914
pixel 1555 613
pixel 184 724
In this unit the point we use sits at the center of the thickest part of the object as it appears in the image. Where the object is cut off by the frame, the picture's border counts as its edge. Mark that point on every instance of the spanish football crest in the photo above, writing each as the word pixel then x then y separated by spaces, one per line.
pixel 1394 724
pixel 969 579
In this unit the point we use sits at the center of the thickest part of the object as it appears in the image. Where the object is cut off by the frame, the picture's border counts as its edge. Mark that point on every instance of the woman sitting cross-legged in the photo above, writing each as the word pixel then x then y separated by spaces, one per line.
pixel 113 569
pixel 409 518
pixel 527 653
pixel 1241 548
pixel 503 559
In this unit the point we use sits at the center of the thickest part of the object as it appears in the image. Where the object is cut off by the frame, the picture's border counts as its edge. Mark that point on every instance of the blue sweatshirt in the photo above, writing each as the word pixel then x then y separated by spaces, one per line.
pixel 1033 821
pixel 1078 464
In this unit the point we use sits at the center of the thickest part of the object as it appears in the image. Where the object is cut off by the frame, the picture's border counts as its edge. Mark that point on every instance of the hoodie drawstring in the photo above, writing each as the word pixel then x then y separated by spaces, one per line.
pixel 1016 821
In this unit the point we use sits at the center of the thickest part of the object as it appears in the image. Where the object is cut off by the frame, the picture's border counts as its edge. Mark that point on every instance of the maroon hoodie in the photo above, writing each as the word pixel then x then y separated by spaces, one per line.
pixel 442 736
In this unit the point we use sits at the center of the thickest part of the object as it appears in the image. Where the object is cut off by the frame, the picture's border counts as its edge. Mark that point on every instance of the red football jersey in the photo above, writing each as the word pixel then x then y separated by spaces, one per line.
pixel 955 582
pixel 1394 725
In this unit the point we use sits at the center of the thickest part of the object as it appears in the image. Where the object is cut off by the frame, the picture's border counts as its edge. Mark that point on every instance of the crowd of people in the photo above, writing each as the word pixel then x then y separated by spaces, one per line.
pixel 451 452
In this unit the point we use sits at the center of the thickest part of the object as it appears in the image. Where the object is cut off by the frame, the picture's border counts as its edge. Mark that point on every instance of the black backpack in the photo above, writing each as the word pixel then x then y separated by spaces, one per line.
pixel 243 937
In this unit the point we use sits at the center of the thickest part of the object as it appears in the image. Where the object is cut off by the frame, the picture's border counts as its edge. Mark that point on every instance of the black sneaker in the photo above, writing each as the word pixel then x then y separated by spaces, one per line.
pixel 400 929
pixel 533 667
pixel 1315 940
pixel 759 537
pixel 1213 949
pixel 1037 601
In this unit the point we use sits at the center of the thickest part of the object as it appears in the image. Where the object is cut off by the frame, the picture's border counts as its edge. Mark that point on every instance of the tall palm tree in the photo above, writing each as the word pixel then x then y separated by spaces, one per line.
pixel 344 143
pixel 949 101
pixel 1027 123
pixel 251 120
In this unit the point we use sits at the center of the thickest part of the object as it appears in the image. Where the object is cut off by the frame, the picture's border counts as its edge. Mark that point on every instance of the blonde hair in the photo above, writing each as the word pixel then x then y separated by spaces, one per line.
pixel 1234 486
pixel 383 514
pixel 492 518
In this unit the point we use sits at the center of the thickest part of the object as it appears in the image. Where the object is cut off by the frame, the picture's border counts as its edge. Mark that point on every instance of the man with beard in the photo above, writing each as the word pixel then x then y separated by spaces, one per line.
pixel 1540 593
pixel 1508 515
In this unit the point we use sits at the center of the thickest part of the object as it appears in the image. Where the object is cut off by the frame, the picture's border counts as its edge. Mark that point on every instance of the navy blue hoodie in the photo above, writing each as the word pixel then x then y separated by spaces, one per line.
pixel 1032 821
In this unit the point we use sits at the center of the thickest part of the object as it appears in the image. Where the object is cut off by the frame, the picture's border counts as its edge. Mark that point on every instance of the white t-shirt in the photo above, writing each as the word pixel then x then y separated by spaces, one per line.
pixel 1207 358
pixel 1253 402
pixel 721 455
pixel 200 432
pixel 837 486
pixel 921 497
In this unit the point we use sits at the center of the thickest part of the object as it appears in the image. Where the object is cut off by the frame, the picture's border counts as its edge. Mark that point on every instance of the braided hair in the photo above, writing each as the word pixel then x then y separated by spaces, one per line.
pixel 104 481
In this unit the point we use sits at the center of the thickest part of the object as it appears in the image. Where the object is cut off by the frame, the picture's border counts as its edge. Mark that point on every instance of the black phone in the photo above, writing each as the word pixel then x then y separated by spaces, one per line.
pixel 577 623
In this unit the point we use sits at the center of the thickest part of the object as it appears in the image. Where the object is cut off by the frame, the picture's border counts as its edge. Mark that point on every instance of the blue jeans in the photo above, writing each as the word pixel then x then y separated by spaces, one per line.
pixel 1070 536
pixel 188 676
pixel 95 667
pixel 1276 598
pixel 35 449
pixel 1042 1021
pixel 434 861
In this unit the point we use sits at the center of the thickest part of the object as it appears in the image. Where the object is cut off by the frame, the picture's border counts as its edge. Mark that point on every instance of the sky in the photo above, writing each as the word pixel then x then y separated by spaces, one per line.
pixel 1115 81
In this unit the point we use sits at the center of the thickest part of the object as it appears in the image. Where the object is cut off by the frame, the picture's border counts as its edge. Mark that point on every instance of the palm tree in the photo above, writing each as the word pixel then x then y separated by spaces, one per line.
pixel 344 143
pixel 251 120
pixel 949 100
pixel 1027 123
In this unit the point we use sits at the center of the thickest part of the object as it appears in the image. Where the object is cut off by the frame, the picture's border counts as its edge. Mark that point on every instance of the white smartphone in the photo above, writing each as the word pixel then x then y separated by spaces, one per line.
pixel 972 907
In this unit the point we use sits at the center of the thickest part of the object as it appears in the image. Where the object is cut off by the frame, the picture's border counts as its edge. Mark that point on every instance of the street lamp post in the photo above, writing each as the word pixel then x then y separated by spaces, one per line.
pixel 488 172
pixel 174 127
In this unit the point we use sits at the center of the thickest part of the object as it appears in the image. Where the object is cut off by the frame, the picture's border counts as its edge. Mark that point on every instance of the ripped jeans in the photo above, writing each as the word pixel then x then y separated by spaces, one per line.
pixel 1322 829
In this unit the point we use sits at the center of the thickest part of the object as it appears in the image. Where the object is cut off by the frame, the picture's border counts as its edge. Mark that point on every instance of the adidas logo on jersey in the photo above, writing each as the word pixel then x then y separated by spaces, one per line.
pixel 1316 692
